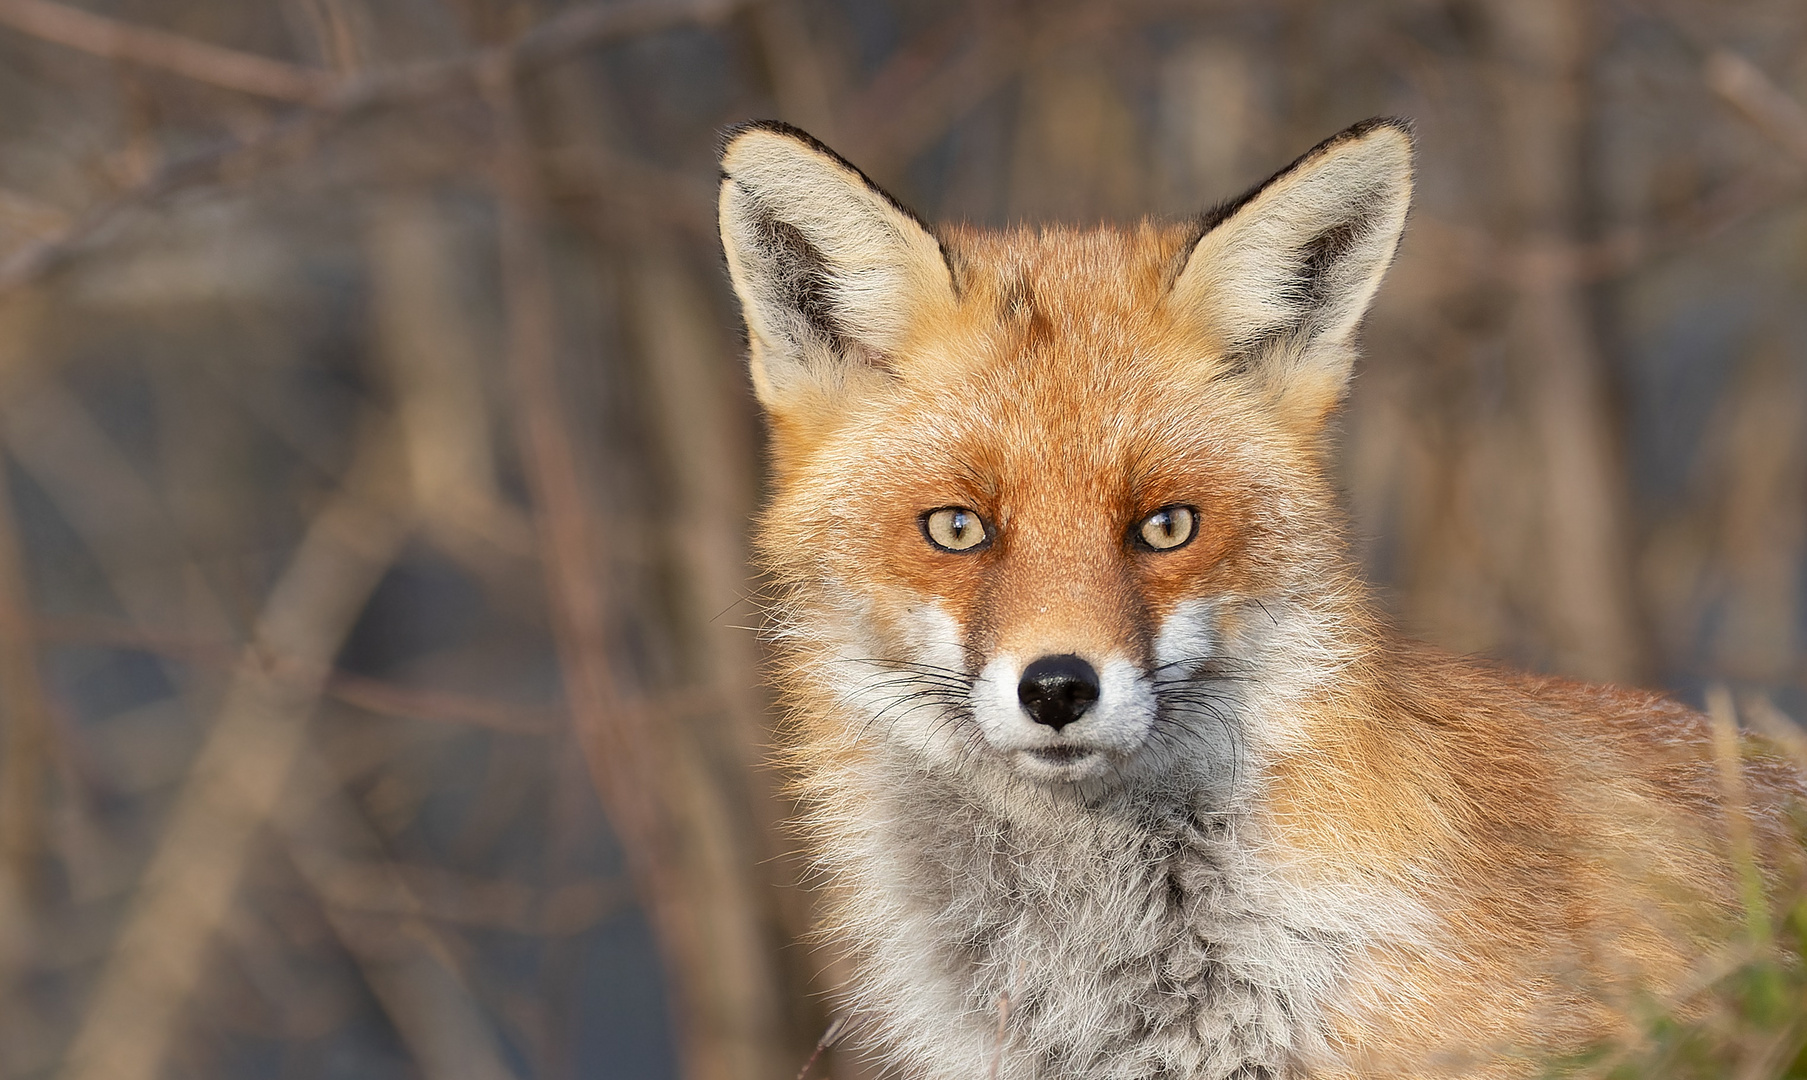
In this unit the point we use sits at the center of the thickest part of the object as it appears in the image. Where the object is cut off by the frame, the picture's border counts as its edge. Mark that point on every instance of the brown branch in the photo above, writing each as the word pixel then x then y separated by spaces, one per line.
pixel 1576 584
pixel 559 37
pixel 631 193
pixel 188 888
pixel 930 85
pixel 410 967
pixel 1746 88
pixel 1488 255
pixel 214 164
pixel 677 834
pixel 585 27
pixel 889 124
pixel 162 50
pixel 622 754
pixel 375 887
pixel 562 36
pixel 699 428
pixel 387 699
pixel 377 696
pixel 28 740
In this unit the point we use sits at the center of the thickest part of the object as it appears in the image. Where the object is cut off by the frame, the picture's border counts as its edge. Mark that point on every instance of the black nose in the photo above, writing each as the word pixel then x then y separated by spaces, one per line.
pixel 1057 690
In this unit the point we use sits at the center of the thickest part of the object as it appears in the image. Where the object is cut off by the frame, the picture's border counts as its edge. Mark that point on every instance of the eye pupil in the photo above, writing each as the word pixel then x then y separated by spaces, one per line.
pixel 1168 528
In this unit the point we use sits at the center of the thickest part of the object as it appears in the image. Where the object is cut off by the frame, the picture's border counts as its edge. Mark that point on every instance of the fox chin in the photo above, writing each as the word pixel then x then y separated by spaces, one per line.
pixel 1112 766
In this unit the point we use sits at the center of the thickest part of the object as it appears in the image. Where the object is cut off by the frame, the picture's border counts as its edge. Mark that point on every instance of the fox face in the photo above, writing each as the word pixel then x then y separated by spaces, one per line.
pixel 1050 505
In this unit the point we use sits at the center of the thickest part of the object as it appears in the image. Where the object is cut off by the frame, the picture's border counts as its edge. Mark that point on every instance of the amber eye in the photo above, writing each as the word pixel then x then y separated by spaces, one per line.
pixel 1167 528
pixel 955 528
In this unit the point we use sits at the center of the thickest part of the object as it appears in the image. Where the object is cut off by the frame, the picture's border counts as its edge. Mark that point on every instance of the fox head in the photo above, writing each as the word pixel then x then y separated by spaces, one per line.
pixel 1051 504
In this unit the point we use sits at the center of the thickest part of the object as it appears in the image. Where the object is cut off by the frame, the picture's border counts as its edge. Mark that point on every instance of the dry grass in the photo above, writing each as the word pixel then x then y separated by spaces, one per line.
pixel 1743 1014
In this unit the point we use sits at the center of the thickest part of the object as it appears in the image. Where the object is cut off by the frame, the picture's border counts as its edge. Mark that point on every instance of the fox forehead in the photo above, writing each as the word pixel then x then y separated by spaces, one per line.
pixel 1062 306
pixel 1059 379
pixel 1068 275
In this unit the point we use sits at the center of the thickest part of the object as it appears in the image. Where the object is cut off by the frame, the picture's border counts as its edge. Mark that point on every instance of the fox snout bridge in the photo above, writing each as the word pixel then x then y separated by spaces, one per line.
pixel 1057 690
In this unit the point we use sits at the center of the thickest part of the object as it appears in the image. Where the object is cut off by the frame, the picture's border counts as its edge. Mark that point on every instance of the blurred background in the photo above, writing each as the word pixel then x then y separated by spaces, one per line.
pixel 378 688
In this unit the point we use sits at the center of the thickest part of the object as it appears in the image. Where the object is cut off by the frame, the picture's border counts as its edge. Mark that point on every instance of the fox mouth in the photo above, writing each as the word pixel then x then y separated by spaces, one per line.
pixel 1062 763
pixel 1060 755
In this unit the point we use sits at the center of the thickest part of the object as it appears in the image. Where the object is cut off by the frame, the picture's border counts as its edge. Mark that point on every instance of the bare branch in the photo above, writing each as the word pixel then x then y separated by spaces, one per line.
pixel 377 696
pixel 830 1037
pixel 1746 88
pixel 209 165
pixel 375 887
pixel 561 36
pixel 379 917
pixel 675 829
pixel 233 786
pixel 164 51
pixel 26 759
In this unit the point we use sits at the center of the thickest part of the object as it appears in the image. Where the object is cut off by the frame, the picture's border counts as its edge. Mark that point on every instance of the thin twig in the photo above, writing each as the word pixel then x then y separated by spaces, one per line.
pixel 1619 252
pixel 379 696
pixel 162 50
pixel 410 967
pixel 28 741
pixel 381 887
pixel 388 699
pixel 1746 88
pixel 997 1049
pixel 211 164
pixel 828 1039
pixel 679 836
pixel 189 886
pixel 437 1016
pixel 623 755
pixel 560 37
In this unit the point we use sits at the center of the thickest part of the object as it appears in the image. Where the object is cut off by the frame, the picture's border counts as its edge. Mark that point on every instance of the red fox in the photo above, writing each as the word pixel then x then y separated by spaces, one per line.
pixel 1113 769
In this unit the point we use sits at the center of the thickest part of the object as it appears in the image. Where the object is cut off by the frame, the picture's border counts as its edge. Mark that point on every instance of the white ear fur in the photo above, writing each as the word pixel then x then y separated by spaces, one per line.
pixel 831 272
pixel 1284 275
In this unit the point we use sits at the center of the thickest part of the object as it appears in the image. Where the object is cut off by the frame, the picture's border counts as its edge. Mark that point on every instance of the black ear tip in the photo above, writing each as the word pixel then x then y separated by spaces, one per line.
pixel 1403 125
pixel 820 149
pixel 734 132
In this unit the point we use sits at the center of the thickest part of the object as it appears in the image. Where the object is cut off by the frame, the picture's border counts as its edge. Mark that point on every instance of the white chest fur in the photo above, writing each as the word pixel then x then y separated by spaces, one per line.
pixel 1112 943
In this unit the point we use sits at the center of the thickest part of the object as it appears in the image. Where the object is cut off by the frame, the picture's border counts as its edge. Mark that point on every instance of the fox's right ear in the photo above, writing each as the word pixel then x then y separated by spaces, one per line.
pixel 831 272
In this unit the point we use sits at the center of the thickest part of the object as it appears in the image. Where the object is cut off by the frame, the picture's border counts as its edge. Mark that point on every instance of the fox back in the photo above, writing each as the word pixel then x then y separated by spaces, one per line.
pixel 1111 767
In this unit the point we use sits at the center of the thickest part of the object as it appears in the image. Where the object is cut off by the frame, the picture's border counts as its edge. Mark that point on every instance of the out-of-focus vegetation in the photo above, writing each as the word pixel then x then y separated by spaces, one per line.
pixel 1747 1018
pixel 1742 1013
pixel 375 693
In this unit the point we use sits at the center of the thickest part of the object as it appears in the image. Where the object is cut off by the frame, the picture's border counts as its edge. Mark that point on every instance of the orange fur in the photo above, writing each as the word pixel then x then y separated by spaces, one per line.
pixel 1566 842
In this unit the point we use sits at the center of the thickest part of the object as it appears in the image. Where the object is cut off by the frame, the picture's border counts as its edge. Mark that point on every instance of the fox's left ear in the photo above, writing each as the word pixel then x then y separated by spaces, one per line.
pixel 1282 276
